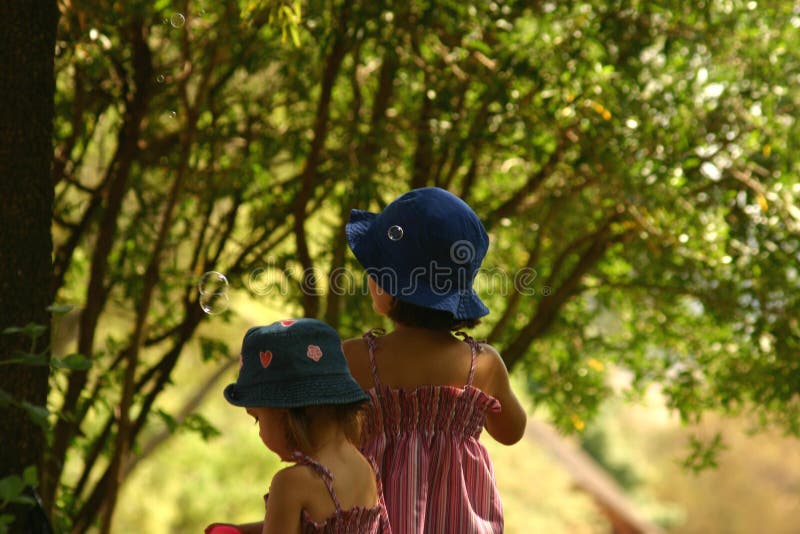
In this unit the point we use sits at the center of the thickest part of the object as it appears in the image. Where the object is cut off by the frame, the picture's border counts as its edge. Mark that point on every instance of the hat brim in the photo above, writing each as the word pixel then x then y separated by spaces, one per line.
pixel 359 236
pixel 317 390
pixel 463 304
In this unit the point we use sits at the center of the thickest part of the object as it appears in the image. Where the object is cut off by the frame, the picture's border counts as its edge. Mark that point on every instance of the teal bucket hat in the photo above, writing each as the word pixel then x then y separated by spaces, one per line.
pixel 293 363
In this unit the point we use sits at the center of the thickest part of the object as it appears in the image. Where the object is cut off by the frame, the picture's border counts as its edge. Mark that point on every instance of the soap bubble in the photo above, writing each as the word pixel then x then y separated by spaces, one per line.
pixel 213 283
pixel 213 288
pixel 177 20
pixel 214 303
pixel 395 233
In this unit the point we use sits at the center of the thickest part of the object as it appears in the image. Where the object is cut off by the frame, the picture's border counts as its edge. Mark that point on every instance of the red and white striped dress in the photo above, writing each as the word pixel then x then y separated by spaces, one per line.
pixel 437 477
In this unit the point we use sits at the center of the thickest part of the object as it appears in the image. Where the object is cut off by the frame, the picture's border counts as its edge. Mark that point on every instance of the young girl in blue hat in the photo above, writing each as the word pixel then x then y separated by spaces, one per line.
pixel 431 394
pixel 294 381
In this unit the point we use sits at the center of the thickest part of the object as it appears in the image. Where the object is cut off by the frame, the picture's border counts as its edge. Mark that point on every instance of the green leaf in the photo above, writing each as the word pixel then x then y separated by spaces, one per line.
pixel 287 13
pixel 691 163
pixel 74 362
pixel 295 35
pixel 11 488
pixel 480 46
pixel 30 476
pixel 703 456
pixel 38 414
pixel 31 330
pixel 26 359
pixel 213 349
pixel 201 425
pixel 170 421
pixel 60 308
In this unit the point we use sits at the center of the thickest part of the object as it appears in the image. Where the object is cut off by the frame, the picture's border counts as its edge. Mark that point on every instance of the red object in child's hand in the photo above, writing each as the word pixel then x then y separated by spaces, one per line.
pixel 222 528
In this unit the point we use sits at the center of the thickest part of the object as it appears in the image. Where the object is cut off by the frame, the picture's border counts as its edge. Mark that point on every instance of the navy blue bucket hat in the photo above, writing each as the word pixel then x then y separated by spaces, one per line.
pixel 293 363
pixel 424 248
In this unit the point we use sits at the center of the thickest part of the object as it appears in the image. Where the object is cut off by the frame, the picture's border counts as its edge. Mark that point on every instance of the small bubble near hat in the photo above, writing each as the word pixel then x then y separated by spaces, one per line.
pixel 424 248
pixel 293 363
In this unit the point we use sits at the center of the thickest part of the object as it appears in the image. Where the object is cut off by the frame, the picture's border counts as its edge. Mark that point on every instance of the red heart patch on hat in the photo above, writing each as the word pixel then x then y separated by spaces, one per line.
pixel 314 352
pixel 266 358
pixel 288 322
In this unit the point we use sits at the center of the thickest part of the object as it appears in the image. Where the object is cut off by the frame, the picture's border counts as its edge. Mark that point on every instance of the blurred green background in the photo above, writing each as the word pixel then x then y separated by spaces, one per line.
pixel 635 164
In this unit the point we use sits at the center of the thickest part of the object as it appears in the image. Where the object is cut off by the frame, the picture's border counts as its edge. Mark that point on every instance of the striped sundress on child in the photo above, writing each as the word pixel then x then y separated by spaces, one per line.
pixel 437 477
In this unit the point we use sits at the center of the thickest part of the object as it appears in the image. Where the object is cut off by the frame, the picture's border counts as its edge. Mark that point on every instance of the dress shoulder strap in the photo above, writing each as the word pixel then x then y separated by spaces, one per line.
pixel 474 348
pixel 381 501
pixel 372 343
pixel 377 476
pixel 322 471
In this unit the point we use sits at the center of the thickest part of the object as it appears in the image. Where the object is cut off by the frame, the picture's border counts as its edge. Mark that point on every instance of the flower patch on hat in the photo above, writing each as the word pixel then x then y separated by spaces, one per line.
pixel 314 352
pixel 288 322
pixel 266 358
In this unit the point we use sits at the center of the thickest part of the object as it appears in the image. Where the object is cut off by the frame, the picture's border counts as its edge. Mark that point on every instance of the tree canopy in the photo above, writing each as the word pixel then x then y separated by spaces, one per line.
pixel 633 163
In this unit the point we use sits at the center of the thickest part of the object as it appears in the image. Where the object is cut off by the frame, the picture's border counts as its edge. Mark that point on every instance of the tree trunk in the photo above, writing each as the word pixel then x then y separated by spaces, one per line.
pixel 27 44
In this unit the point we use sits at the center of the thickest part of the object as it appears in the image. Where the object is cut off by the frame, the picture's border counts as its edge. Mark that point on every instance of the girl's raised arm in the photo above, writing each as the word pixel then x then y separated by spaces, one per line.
pixel 508 425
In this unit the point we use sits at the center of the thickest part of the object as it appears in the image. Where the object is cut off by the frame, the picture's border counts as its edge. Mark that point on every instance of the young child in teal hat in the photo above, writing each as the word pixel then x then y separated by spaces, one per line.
pixel 294 381
pixel 431 394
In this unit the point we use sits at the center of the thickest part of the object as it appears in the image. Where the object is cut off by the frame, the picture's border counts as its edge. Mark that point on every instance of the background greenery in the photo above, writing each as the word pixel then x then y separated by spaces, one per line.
pixel 634 163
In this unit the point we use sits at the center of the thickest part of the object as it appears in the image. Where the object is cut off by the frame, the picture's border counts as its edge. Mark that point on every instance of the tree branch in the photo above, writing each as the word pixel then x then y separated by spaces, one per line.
pixel 188 408
pixel 531 186
pixel 310 170
pixel 151 276
pixel 423 154
pixel 96 294
pixel 547 310
pixel 367 157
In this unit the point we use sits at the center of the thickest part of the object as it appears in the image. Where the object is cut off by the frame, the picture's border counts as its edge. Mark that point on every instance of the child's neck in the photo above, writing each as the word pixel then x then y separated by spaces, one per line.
pixel 405 330
pixel 327 436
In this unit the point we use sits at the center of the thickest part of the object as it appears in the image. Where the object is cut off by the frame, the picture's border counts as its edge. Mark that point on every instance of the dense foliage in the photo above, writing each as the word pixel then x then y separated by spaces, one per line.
pixel 632 161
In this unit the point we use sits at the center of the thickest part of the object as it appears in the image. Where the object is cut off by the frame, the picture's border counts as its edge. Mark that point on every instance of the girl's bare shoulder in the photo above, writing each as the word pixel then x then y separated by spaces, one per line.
pixel 292 477
pixel 356 353
pixel 291 484
pixel 489 365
